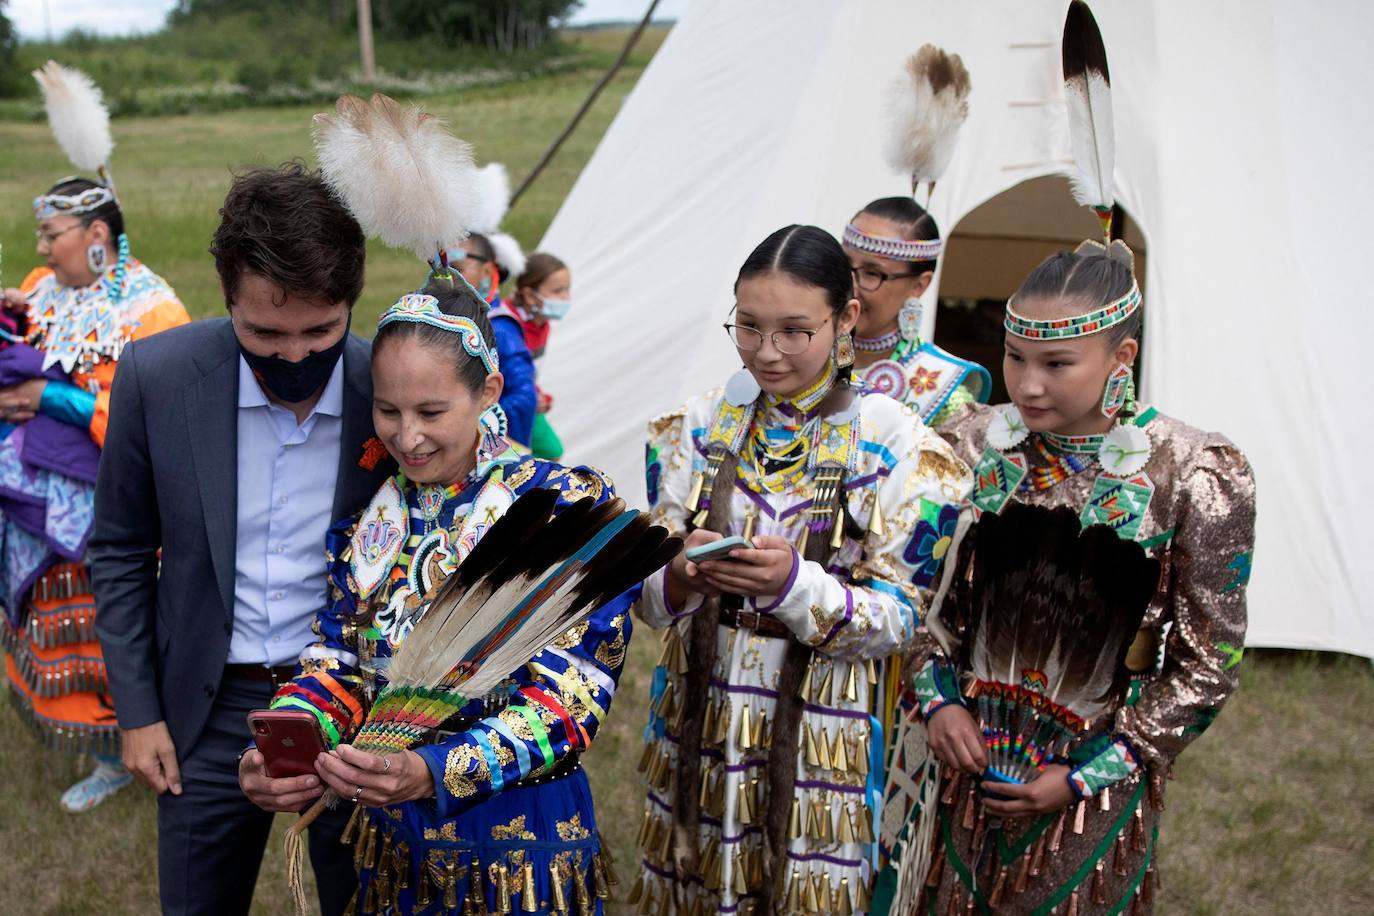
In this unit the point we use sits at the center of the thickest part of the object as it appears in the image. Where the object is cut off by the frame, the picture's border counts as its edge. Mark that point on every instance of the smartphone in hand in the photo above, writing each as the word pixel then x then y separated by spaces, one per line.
pixel 716 550
pixel 289 740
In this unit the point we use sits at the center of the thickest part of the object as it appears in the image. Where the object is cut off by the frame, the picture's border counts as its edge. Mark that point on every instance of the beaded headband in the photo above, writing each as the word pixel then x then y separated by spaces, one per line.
pixel 1113 313
pixel 50 205
pixel 420 308
pixel 895 249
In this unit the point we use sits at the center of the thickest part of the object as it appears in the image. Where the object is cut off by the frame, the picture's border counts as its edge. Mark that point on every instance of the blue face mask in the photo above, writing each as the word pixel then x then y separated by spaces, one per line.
pixel 484 288
pixel 555 309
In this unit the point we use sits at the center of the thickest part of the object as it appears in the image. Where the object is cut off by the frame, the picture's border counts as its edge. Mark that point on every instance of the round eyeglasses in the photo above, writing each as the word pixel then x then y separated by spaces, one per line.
pixel 870 280
pixel 788 342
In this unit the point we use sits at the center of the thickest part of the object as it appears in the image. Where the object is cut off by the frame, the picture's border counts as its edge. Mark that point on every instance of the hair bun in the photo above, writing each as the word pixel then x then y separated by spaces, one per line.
pixel 1117 251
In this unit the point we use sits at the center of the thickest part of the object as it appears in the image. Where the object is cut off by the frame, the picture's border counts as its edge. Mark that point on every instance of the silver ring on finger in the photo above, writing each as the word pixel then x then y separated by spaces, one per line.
pixel 386 763
pixel 357 793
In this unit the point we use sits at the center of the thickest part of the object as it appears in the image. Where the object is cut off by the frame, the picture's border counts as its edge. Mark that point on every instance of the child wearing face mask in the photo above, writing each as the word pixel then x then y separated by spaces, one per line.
pixel 543 293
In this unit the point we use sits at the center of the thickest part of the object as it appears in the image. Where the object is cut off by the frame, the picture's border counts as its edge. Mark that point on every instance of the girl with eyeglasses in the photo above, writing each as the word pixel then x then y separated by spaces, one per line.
pixel 773 695
pixel 893 245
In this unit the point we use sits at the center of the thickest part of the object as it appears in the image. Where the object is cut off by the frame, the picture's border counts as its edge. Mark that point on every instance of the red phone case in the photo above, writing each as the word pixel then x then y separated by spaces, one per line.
pixel 289 739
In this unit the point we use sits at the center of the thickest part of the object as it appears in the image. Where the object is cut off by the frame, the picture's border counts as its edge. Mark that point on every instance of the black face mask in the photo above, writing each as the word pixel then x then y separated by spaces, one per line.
pixel 294 382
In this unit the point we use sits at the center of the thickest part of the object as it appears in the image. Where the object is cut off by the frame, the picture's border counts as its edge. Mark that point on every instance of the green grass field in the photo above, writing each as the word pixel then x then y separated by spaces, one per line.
pixel 1270 812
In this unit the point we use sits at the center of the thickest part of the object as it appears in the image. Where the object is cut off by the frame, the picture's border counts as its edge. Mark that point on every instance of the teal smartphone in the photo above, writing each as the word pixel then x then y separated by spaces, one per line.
pixel 716 549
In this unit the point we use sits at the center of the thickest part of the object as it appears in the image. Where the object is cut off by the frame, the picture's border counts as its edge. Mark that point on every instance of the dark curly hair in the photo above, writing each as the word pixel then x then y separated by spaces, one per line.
pixel 285 225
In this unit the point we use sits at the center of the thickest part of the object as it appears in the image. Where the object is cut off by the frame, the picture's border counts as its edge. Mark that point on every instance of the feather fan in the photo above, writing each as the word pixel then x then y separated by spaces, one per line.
pixel 1053 608
pixel 532 577
pixel 77 115
pixel 1088 96
pixel 405 178
pixel 929 103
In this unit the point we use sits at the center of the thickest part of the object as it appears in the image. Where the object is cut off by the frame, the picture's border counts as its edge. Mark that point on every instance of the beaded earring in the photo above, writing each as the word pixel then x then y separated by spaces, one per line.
pixel 1120 387
pixel 95 258
pixel 844 350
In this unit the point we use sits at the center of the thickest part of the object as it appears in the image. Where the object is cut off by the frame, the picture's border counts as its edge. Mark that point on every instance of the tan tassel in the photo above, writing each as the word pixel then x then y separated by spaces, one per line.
pixel 1105 800
pixel 1079 816
pixel 560 899
pixel 825 694
pixel 745 741
pixel 851 684
pixel 839 760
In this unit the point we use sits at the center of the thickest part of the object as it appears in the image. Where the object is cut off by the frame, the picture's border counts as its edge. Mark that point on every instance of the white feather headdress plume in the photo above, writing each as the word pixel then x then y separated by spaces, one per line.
pixel 405 178
pixel 929 103
pixel 493 193
pixel 78 117
pixel 1088 96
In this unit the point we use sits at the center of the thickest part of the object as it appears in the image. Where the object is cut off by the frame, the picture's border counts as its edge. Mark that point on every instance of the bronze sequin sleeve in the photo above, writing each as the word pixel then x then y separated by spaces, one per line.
pixel 1205 598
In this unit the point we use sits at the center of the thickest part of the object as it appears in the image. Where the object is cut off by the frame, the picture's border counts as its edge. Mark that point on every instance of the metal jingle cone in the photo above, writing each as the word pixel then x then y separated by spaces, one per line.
pixel 581 895
pixel 851 683
pixel 636 890
pixel 451 884
pixel 761 737
pixel 646 756
pixel 861 757
pixel 708 725
pixel 793 900
pixel 743 804
pixel 827 821
pixel 863 827
pixel 794 824
pixel 694 495
pixel 739 883
pixel 422 898
pixel 529 897
pixel 500 877
pixel 813 759
pixel 805 690
pixel 560 898
pixel 823 749
pixel 802 538
pixel 402 865
pixel 704 797
pixel 837 530
pixel 809 901
pixel 665 846
pixel 745 739
pixel 875 518
pixel 839 760
pixel 723 725
pixel 600 886
pixel 844 832
pixel 824 695
pixel 351 828
pixel 477 892
pixel 749 520
pixel 842 905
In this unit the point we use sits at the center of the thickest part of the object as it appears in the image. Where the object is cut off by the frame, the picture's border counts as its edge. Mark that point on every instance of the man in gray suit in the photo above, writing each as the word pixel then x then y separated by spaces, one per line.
pixel 233 444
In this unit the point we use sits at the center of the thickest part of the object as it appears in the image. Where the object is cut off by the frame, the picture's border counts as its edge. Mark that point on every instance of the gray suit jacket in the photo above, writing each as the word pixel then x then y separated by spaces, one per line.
pixel 168 481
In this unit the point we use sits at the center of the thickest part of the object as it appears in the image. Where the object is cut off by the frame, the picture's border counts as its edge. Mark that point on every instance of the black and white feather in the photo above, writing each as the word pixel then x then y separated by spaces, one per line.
pixel 1088 97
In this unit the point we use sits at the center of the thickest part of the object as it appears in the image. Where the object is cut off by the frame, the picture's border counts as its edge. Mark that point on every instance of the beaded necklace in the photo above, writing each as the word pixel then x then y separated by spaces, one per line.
pixel 878 344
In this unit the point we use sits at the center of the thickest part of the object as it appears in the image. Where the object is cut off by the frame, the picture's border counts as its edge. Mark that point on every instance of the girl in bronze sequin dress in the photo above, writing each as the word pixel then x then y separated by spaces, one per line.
pixel 1082 837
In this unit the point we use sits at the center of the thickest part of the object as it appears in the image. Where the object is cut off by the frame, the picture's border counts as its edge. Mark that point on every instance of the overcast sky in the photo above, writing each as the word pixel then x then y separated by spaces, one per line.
pixel 120 17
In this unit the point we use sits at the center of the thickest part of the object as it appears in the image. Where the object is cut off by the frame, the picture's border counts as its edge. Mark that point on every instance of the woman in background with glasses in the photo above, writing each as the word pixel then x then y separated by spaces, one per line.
pixel 893 246
pixel 773 695
pixel 65 327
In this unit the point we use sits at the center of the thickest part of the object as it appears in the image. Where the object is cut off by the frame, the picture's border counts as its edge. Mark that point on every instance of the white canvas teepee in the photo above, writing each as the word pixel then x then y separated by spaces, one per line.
pixel 1241 145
